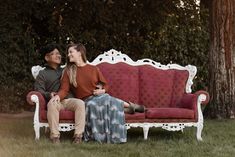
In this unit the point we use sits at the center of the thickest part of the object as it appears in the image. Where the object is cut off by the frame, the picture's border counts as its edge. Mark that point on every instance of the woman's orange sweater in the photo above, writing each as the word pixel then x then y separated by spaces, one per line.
pixel 88 77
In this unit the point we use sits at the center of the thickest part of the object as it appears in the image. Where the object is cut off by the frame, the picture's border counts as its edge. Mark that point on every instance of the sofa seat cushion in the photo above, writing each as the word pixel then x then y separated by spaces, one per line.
pixel 168 113
pixel 64 115
pixel 136 116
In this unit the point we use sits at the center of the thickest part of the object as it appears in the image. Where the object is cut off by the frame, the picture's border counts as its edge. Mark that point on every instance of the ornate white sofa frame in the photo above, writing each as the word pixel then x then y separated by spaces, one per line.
pixel 112 56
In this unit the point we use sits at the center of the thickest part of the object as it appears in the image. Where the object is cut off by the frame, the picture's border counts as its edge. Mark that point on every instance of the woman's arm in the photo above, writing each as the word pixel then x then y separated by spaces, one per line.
pixel 64 85
pixel 102 80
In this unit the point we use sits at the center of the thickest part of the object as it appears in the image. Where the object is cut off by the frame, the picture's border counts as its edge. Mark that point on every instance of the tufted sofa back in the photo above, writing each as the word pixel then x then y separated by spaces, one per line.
pixel 145 84
pixel 123 80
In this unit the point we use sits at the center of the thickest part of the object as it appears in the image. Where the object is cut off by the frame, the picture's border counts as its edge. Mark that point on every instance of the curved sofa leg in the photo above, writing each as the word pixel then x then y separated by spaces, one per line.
pixel 37 131
pixel 199 132
pixel 146 130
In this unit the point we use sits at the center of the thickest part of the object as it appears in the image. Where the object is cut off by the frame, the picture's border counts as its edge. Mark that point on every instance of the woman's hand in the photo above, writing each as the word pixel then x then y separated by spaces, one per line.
pixel 55 98
pixel 98 91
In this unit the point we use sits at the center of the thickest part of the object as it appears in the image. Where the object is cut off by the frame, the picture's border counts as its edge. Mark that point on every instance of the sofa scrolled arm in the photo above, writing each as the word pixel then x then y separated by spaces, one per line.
pixel 33 97
pixel 204 96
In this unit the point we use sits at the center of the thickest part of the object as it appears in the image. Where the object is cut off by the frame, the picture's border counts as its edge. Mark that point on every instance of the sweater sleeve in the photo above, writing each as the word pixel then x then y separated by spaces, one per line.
pixel 64 85
pixel 102 80
pixel 40 85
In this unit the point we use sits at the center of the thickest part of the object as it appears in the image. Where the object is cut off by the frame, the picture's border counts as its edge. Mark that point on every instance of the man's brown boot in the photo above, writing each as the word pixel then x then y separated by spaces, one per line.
pixel 77 139
pixel 55 140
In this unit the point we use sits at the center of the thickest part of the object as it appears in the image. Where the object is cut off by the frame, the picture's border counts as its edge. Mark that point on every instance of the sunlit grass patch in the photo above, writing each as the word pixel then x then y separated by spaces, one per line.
pixel 17 139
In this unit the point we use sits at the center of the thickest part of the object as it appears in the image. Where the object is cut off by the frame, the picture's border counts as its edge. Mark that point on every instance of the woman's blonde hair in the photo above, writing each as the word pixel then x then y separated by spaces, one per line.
pixel 72 67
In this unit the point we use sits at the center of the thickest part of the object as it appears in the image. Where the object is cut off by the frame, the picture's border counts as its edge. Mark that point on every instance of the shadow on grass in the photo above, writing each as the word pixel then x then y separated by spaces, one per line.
pixel 154 134
pixel 23 128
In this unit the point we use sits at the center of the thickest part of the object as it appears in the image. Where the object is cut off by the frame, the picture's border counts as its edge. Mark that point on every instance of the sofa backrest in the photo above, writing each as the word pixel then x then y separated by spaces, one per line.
pixel 179 87
pixel 161 88
pixel 145 84
pixel 145 81
pixel 123 80
pixel 155 86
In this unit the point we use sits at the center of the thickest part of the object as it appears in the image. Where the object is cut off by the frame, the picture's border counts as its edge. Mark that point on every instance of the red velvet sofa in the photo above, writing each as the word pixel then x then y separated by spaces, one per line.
pixel 165 90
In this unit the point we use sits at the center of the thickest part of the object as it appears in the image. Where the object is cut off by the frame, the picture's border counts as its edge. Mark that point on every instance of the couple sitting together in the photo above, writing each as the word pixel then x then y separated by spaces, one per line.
pixel 81 87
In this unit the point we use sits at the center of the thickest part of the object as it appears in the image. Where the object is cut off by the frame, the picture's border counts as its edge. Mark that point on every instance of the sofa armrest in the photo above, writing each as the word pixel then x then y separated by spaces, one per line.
pixel 190 100
pixel 35 97
pixel 205 97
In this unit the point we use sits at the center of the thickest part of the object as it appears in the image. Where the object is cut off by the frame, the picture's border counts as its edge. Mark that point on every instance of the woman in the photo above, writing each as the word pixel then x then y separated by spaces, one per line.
pixel 105 120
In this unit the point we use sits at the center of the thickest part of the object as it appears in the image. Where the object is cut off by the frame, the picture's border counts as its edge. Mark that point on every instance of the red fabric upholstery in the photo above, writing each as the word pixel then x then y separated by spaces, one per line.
pixel 188 101
pixel 136 116
pixel 42 102
pixel 159 120
pixel 155 86
pixel 167 113
pixel 123 80
pixel 64 115
pixel 178 90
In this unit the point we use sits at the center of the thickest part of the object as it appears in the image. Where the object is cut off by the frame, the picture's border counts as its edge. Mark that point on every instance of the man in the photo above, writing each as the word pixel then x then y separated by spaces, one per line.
pixel 48 83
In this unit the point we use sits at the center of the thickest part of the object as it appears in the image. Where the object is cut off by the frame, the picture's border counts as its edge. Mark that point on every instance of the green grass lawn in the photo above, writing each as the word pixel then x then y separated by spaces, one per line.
pixel 17 139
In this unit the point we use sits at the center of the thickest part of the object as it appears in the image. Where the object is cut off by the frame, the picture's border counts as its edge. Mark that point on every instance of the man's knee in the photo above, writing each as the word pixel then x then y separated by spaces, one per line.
pixel 79 104
pixel 51 106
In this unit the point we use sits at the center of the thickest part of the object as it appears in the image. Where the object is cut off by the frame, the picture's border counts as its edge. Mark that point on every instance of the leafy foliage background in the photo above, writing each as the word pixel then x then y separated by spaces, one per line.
pixel 164 31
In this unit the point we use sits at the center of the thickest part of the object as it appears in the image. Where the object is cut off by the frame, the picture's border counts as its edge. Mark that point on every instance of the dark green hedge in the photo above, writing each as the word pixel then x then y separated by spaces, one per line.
pixel 161 30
